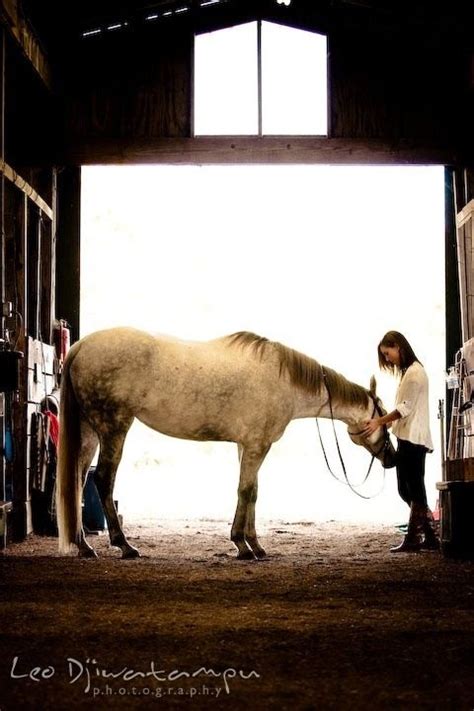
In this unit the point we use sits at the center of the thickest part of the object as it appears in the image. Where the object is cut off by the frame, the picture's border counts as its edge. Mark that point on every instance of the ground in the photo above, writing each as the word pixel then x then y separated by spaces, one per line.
pixel 330 620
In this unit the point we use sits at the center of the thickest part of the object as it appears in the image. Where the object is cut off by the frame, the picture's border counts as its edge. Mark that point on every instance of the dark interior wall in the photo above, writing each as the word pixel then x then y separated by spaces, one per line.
pixel 31 120
pixel 129 86
pixel 396 85
pixel 391 85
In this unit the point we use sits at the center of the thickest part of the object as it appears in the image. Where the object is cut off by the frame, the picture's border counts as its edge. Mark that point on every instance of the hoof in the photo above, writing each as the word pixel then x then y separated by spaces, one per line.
pixel 87 553
pixel 260 554
pixel 246 555
pixel 130 553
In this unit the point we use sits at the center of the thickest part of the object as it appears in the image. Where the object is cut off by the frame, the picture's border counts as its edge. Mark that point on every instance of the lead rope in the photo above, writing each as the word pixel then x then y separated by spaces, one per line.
pixel 346 478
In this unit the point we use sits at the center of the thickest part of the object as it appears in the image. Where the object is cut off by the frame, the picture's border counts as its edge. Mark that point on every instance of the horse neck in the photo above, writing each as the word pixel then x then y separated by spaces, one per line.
pixel 317 405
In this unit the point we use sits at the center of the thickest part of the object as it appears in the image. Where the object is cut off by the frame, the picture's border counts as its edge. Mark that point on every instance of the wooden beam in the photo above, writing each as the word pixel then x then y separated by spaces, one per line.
pixel 18 27
pixel 68 248
pixel 253 149
pixel 26 188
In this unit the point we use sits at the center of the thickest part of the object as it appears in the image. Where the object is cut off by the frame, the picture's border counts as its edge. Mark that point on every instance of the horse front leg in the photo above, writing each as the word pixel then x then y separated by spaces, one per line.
pixel 243 532
pixel 250 532
pixel 109 458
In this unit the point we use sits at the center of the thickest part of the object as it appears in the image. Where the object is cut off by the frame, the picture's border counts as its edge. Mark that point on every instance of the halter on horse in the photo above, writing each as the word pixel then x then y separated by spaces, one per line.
pixel 385 449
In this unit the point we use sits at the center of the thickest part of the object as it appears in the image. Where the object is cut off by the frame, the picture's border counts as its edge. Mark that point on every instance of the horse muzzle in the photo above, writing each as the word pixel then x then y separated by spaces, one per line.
pixel 389 456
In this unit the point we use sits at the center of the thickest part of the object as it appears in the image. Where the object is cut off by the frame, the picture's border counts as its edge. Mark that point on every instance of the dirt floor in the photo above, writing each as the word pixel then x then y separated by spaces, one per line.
pixel 330 620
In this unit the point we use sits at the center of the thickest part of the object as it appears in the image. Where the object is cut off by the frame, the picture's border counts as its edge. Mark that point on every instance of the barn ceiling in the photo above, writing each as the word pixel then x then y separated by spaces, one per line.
pixel 59 23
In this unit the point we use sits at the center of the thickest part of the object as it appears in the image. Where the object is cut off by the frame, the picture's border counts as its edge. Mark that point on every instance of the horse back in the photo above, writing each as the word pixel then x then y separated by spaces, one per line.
pixel 195 390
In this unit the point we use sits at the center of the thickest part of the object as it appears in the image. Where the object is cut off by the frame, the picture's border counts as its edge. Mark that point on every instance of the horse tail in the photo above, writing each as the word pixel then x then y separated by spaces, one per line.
pixel 68 476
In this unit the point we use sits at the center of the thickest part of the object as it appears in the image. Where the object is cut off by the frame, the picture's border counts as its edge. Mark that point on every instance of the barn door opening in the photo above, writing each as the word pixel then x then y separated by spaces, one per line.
pixel 323 259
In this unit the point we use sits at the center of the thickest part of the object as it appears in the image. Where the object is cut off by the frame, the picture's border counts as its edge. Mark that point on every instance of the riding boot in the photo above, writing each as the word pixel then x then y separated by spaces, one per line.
pixel 431 540
pixel 412 541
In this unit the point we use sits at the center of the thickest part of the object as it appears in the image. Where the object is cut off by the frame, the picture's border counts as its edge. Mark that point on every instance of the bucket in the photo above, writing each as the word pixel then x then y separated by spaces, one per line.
pixel 92 514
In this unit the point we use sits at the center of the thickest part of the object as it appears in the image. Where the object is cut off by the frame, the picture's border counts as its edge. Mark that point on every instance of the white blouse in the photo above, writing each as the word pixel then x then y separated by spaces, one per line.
pixel 412 402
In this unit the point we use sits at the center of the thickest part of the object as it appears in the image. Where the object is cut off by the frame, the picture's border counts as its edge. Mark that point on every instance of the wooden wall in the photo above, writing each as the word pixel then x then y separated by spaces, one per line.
pixel 130 87
pixel 28 191
pixel 398 86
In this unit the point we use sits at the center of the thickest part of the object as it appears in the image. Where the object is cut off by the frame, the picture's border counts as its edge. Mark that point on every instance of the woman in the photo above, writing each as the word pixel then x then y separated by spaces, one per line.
pixel 410 420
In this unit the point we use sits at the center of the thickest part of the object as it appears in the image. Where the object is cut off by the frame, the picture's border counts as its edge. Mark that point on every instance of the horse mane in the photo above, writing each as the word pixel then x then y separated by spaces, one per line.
pixel 304 372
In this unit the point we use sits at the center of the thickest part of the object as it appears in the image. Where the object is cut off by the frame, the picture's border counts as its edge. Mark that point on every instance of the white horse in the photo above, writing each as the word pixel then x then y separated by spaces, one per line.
pixel 240 388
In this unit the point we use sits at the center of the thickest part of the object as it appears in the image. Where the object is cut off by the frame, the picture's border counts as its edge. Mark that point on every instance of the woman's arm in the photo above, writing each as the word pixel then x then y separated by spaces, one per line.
pixel 376 422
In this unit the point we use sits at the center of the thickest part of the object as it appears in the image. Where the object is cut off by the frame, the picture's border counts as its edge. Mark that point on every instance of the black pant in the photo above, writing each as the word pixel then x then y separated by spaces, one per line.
pixel 411 472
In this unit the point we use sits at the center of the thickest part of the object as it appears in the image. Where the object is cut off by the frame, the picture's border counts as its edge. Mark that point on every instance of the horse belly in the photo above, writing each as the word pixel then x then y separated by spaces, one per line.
pixel 230 411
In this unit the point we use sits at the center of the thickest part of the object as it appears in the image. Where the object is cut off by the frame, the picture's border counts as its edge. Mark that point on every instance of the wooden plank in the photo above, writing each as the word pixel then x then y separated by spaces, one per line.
pixel 138 90
pixel 20 30
pixel 20 183
pixel 465 227
pixel 460 469
pixel 469 256
pixel 465 214
pixel 215 150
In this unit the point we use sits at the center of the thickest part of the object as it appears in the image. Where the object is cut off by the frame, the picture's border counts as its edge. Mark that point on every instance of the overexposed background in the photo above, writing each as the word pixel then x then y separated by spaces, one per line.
pixel 323 259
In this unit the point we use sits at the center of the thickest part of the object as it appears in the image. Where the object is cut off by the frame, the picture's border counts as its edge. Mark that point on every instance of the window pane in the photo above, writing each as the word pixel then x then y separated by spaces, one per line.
pixel 225 81
pixel 294 81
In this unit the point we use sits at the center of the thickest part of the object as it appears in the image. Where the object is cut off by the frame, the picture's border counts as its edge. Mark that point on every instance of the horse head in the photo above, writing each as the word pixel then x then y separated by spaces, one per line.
pixel 379 443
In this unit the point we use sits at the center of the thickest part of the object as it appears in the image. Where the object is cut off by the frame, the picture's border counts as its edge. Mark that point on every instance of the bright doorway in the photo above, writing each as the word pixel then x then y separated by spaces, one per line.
pixel 324 259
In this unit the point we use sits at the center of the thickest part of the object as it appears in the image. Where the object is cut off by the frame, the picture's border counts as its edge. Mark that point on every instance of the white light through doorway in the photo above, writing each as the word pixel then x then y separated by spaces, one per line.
pixel 323 259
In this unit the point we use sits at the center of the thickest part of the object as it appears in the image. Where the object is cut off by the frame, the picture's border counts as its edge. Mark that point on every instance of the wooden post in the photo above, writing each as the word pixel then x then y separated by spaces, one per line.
pixel 453 307
pixel 465 258
pixel 18 229
pixel 39 255
pixel 2 248
pixel 68 231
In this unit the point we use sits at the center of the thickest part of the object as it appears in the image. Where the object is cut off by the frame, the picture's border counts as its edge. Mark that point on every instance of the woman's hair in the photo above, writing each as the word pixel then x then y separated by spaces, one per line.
pixel 407 354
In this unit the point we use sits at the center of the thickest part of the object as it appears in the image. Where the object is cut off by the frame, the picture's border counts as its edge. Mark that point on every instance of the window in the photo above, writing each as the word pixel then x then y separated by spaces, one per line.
pixel 225 80
pixel 260 78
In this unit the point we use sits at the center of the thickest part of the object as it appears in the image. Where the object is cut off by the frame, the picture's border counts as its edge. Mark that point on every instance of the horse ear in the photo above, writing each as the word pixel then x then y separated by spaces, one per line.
pixel 373 385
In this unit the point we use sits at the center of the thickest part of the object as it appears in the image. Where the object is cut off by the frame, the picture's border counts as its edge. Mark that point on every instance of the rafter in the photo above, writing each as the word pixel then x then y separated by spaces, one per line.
pixel 18 27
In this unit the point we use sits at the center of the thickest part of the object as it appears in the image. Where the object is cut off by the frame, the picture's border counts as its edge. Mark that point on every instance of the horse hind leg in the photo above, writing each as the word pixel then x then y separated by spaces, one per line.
pixel 89 444
pixel 111 447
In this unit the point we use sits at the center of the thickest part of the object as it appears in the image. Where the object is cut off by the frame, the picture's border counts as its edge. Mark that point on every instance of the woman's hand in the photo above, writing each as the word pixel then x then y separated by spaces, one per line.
pixel 370 426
